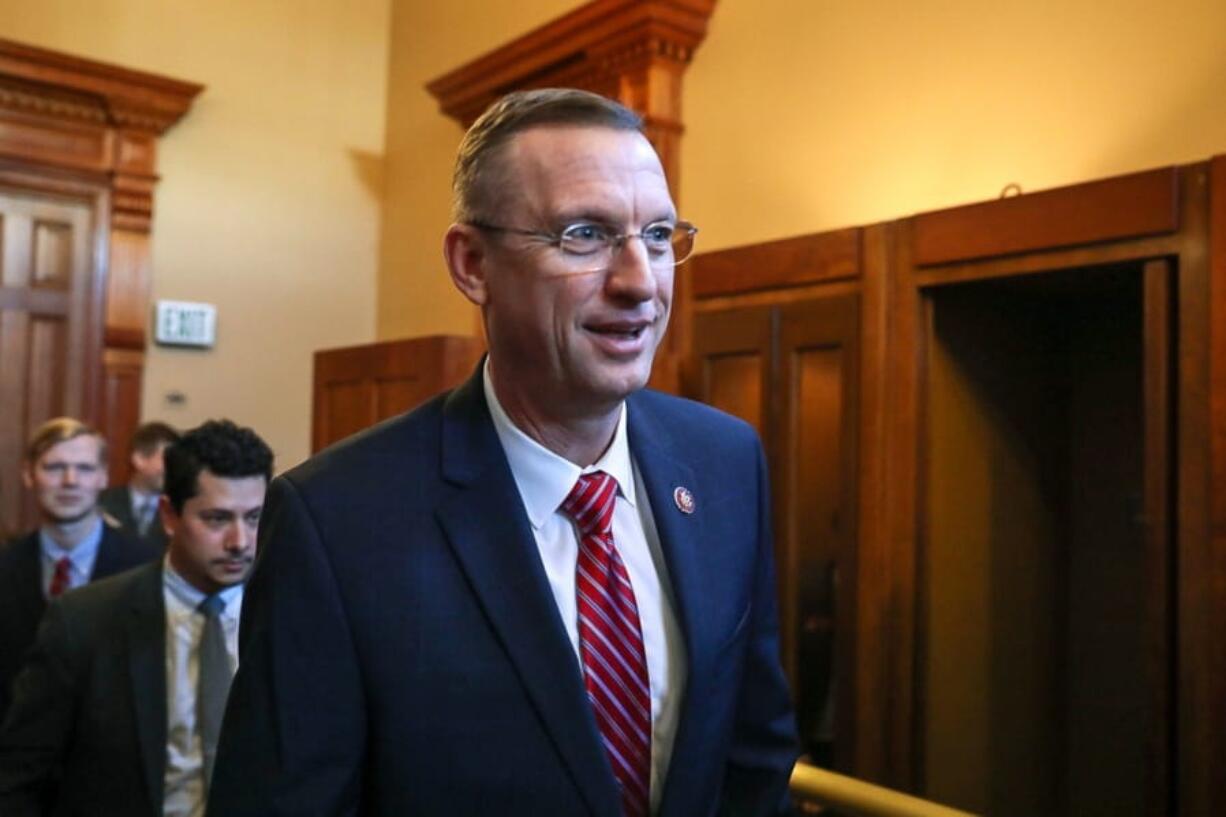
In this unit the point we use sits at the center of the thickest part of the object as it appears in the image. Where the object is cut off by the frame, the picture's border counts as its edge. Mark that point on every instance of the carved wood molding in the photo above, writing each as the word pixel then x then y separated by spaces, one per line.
pixel 49 83
pixel 76 114
pixel 591 47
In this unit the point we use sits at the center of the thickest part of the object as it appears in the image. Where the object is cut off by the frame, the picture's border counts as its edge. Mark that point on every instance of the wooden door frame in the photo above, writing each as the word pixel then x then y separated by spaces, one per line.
pixel 1162 214
pixel 1202 572
pixel 78 127
pixel 94 192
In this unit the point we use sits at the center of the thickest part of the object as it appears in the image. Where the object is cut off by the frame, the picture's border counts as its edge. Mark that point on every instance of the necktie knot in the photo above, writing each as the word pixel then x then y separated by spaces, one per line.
pixel 212 606
pixel 590 503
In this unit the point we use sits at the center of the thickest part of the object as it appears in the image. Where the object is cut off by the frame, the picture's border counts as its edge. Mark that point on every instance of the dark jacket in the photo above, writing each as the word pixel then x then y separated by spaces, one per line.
pixel 86 734
pixel 402 653
pixel 117 503
pixel 21 596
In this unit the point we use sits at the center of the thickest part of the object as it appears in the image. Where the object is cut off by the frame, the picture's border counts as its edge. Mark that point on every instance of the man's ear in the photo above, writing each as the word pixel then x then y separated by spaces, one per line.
pixel 167 518
pixel 467 259
pixel 27 475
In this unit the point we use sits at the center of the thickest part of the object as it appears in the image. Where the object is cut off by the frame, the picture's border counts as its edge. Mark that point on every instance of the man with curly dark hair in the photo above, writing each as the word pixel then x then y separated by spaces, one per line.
pixel 118 708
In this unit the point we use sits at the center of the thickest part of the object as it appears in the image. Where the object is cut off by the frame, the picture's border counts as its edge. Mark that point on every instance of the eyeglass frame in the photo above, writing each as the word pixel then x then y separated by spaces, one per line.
pixel 614 242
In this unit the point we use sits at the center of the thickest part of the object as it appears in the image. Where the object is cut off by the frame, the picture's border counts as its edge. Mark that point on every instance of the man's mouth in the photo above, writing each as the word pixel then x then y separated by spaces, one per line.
pixel 619 330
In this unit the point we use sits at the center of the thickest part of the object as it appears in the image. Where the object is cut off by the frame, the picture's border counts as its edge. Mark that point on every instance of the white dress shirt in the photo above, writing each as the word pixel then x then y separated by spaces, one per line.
pixel 544 480
pixel 81 558
pixel 184 794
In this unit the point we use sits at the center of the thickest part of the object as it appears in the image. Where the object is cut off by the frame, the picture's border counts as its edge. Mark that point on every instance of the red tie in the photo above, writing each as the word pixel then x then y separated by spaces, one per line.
pixel 611 641
pixel 60 579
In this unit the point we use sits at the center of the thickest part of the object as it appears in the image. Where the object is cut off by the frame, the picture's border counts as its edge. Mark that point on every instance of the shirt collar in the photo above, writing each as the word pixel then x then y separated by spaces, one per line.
pixel 545 479
pixel 140 499
pixel 190 597
pixel 82 556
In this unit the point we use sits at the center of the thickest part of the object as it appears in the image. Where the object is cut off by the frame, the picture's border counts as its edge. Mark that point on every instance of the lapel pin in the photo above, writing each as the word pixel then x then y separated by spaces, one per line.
pixel 684 499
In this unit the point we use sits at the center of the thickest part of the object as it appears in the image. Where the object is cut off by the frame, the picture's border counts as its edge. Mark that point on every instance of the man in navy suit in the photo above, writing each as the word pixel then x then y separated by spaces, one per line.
pixel 549 592
pixel 64 466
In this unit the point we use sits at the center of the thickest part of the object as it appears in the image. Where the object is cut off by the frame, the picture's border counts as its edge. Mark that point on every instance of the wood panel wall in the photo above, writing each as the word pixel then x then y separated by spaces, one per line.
pixel 357 386
pixel 1167 223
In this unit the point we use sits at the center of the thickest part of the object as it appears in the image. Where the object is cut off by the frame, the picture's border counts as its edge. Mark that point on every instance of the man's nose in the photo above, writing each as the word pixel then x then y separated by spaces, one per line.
pixel 70 475
pixel 238 536
pixel 630 274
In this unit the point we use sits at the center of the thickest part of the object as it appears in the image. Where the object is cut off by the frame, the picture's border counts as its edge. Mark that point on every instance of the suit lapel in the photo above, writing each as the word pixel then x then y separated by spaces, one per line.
pixel 123 509
pixel 680 533
pixel 146 633
pixel 487 528
pixel 108 561
pixel 681 540
pixel 28 583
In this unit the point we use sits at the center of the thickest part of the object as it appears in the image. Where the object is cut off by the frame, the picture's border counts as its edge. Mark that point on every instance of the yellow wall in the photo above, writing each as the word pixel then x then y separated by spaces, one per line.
pixel 801 116
pixel 807 115
pixel 430 38
pixel 270 197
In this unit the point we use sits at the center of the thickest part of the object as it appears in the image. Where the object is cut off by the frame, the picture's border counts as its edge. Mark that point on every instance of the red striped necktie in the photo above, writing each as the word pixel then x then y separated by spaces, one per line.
pixel 61 579
pixel 611 642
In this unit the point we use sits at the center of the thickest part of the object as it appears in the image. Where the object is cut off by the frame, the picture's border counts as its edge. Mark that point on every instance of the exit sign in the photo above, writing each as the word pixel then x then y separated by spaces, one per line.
pixel 183 323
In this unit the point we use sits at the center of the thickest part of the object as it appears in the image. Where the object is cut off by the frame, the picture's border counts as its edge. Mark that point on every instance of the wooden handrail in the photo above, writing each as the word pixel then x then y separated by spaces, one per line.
pixel 864 799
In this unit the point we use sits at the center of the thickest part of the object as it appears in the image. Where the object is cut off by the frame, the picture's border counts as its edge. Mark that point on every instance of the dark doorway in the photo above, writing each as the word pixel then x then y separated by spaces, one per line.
pixel 1043 673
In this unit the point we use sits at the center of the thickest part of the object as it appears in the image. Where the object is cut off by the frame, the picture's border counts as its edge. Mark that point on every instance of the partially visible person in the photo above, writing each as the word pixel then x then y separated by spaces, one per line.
pixel 64 465
pixel 118 709
pixel 135 505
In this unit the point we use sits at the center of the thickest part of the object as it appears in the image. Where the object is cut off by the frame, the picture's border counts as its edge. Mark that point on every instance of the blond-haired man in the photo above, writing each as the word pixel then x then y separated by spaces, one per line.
pixel 64 466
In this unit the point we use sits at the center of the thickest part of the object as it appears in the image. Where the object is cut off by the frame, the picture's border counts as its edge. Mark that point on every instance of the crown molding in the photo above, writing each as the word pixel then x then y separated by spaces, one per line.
pixel 592 47
pixel 48 83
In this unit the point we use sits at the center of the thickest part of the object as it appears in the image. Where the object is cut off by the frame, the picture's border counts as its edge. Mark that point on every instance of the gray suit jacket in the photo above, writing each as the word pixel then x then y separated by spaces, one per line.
pixel 86 732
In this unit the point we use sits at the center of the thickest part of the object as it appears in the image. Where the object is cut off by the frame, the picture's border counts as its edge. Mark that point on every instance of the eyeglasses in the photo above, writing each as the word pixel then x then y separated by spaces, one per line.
pixel 587 246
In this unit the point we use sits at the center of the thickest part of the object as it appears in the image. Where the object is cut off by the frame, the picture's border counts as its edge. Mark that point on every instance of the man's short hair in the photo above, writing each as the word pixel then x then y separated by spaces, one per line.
pixel 59 430
pixel 148 436
pixel 226 450
pixel 475 183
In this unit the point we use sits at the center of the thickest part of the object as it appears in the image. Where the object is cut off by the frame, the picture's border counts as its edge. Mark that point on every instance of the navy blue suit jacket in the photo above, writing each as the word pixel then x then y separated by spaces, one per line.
pixel 21 596
pixel 402 653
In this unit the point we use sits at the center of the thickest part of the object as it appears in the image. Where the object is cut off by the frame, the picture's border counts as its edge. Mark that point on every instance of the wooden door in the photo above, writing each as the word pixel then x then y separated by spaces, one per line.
pixel 791 371
pixel 815 488
pixel 357 386
pixel 733 361
pixel 48 336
